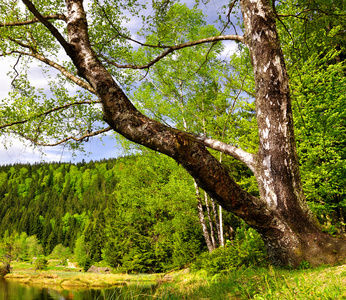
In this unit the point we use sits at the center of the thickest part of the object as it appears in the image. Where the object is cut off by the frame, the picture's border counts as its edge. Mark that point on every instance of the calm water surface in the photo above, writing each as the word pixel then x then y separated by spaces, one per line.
pixel 12 290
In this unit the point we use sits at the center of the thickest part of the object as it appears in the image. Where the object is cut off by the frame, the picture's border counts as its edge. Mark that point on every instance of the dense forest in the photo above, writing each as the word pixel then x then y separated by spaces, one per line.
pixel 138 212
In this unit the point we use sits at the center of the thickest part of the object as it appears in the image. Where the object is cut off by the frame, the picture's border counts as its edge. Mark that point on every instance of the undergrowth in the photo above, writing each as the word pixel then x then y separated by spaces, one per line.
pixel 247 249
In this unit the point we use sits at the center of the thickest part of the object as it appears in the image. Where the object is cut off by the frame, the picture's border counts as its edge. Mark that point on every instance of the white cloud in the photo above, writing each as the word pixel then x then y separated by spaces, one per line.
pixel 6 65
pixel 230 48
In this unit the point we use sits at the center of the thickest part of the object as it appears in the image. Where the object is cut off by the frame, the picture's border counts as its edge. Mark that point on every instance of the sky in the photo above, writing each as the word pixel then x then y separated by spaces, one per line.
pixel 19 152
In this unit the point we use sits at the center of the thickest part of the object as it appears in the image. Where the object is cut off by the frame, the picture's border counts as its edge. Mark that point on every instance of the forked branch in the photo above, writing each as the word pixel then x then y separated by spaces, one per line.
pixel 50 27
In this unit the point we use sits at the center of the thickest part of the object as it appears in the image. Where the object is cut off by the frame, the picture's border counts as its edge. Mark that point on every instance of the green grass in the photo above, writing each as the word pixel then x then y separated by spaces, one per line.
pixel 259 283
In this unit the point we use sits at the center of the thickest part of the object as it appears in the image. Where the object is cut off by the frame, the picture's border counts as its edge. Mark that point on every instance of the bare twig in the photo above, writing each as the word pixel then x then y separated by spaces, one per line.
pixel 125 36
pixel 232 108
pixel 14 68
pixel 228 16
pixel 310 10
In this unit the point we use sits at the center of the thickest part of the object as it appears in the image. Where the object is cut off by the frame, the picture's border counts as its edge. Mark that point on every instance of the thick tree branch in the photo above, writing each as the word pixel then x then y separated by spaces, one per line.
pixel 46 113
pixel 213 39
pixel 239 154
pixel 34 20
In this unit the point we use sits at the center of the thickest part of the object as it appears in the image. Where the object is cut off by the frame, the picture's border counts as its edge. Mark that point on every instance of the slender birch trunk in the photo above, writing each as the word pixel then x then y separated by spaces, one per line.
pixel 206 235
pixel 211 226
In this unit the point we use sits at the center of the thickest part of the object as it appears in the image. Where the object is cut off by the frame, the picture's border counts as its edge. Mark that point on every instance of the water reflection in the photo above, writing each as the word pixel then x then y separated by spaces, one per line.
pixel 12 290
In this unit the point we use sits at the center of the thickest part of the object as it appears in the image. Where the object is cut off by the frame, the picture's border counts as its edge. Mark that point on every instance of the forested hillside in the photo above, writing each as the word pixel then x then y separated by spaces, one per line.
pixel 138 212
pixel 53 201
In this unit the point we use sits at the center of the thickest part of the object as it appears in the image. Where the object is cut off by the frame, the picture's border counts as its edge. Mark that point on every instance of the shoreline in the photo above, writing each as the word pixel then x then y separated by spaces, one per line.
pixel 79 280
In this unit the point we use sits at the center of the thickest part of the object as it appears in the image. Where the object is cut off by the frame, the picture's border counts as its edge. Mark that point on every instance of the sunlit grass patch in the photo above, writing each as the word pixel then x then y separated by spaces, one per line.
pixel 260 283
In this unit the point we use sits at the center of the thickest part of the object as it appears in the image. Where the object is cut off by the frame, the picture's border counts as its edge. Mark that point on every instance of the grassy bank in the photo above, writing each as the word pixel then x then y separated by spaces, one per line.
pixel 79 280
pixel 260 283
pixel 249 283
pixel 73 277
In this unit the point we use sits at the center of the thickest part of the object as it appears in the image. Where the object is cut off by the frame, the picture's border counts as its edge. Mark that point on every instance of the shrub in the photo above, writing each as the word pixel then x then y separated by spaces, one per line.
pixel 41 263
pixel 246 249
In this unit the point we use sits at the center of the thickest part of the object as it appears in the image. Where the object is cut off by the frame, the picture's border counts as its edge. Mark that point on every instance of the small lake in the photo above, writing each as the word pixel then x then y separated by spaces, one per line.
pixel 12 290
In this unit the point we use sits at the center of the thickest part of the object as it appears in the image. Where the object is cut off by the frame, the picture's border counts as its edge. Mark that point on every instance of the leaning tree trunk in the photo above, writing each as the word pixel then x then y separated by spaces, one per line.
pixel 281 215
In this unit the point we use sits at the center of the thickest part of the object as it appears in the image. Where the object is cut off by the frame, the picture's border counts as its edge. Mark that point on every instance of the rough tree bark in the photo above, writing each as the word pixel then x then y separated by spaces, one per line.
pixel 280 215
pixel 277 169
